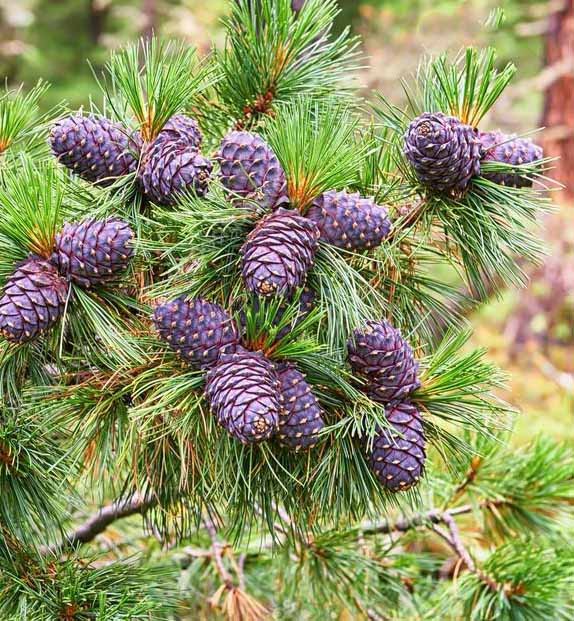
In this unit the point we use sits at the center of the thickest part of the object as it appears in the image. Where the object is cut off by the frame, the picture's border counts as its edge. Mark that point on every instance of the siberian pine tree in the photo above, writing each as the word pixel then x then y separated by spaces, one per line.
pixel 234 381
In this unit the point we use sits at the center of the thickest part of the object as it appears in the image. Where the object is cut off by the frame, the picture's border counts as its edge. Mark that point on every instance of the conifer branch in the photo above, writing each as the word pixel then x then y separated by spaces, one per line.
pixel 99 522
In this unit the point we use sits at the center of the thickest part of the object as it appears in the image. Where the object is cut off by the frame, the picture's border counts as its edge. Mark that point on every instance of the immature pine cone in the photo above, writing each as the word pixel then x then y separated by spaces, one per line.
pixel 381 355
pixel 398 459
pixel 349 221
pixel 168 168
pixel 499 147
pixel 34 299
pixel 301 420
pixel 250 169
pixel 242 390
pixel 93 251
pixel 95 148
pixel 444 152
pixel 279 252
pixel 197 330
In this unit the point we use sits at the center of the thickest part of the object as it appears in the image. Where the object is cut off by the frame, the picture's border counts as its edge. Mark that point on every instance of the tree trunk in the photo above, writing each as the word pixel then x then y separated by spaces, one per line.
pixel 97 19
pixel 558 115
pixel 149 10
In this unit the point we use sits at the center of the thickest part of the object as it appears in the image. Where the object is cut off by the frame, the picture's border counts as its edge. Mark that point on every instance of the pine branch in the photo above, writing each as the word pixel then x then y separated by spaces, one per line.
pixel 99 522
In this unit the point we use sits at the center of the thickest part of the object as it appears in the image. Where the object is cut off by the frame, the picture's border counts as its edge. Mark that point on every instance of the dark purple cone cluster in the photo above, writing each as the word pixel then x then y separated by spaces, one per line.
pixel 444 151
pixel 278 253
pixel 249 168
pixel 93 251
pixel 196 330
pixel 301 420
pixel 349 221
pixel 96 149
pixel 243 392
pixel 381 355
pixel 172 163
pixel 251 398
pixel 499 147
pixel 33 300
pixel 398 455
pixel 89 253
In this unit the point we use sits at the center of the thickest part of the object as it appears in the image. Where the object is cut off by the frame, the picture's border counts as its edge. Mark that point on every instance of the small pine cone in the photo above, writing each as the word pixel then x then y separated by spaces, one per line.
pixel 279 252
pixel 250 169
pixel 444 152
pixel 93 251
pixel 196 330
pixel 171 167
pixel 381 355
pixel 301 419
pixel 96 149
pixel 183 129
pixel 349 221
pixel 499 147
pixel 34 299
pixel 398 459
pixel 242 390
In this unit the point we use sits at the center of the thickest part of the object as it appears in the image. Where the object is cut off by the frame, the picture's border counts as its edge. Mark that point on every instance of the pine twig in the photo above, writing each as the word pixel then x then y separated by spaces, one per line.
pixel 97 523
pixel 217 551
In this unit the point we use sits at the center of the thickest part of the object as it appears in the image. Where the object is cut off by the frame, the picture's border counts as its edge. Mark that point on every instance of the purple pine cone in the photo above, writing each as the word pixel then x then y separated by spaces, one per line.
pixel 499 147
pixel 33 300
pixel 250 169
pixel 242 390
pixel 444 152
pixel 301 419
pixel 197 330
pixel 169 168
pixel 279 252
pixel 93 251
pixel 398 459
pixel 96 149
pixel 349 221
pixel 381 355
pixel 183 129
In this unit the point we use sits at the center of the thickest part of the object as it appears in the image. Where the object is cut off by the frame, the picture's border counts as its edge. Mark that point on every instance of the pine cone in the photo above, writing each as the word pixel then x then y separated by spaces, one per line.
pixel 499 147
pixel 250 169
pixel 398 459
pixel 279 252
pixel 349 221
pixel 301 419
pixel 93 251
pixel 196 330
pixel 171 167
pixel 182 129
pixel 444 152
pixel 96 149
pixel 34 299
pixel 381 355
pixel 242 390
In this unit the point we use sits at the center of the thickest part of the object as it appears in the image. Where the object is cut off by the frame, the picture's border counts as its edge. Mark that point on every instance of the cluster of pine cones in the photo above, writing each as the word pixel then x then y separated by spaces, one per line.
pixel 446 153
pixel 91 252
pixel 253 397
pixel 281 249
pixel 379 354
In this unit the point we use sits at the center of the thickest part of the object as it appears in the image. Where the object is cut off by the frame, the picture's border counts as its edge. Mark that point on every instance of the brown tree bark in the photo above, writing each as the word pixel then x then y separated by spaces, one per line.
pixel 149 10
pixel 98 12
pixel 558 114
